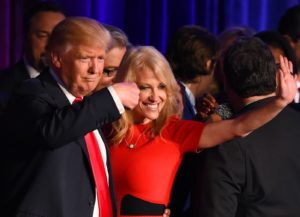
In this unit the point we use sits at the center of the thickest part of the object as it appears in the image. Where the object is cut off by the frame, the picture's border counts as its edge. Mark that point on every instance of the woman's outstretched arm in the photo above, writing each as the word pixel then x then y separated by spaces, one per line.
pixel 218 132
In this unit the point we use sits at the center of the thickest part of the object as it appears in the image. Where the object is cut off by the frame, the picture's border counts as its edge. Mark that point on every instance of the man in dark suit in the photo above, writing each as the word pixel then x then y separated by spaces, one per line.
pixel 38 24
pixel 257 175
pixel 191 53
pixel 46 167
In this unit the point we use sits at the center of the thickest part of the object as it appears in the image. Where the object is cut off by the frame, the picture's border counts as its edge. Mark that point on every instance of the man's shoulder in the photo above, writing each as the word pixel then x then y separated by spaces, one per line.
pixel 13 75
pixel 38 85
pixel 269 137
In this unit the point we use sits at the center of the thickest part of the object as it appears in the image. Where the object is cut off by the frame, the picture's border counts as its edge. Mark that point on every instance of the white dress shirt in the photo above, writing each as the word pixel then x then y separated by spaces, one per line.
pixel 191 97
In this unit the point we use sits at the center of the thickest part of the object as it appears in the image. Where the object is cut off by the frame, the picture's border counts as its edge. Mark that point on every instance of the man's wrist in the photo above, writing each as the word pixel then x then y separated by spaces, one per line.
pixel 280 102
pixel 116 99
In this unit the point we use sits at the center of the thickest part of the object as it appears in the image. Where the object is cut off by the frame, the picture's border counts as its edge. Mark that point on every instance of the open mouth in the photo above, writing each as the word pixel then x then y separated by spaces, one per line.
pixel 152 106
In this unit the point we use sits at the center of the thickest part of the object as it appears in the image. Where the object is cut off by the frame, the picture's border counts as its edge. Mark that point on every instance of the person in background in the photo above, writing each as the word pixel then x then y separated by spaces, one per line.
pixel 279 46
pixel 114 56
pixel 215 107
pixel 257 175
pixel 191 52
pixel 231 34
pixel 148 143
pixel 38 23
pixel 289 27
pixel 226 38
pixel 54 161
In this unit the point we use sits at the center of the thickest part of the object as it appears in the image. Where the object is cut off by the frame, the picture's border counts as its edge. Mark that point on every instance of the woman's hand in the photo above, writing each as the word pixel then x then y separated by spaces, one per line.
pixel 206 107
pixel 286 82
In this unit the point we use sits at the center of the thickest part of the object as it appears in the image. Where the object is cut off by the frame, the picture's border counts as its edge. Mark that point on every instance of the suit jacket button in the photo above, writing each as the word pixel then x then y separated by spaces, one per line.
pixel 91 203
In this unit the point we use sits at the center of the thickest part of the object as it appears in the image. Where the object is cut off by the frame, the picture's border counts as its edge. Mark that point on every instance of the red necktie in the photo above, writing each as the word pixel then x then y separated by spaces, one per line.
pixel 103 194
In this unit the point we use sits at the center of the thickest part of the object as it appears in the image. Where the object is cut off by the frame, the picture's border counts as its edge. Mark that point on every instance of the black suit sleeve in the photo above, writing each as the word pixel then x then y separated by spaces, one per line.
pixel 35 117
pixel 220 181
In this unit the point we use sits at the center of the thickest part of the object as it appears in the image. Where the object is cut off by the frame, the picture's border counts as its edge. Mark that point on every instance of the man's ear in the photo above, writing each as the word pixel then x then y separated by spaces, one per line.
pixel 209 65
pixel 56 59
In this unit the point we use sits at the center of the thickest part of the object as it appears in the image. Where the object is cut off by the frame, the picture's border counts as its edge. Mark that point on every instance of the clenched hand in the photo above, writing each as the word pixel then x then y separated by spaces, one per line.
pixel 128 93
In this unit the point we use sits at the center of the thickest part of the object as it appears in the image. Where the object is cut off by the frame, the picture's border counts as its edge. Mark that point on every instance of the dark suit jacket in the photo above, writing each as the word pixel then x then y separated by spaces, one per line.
pixel 45 169
pixel 295 106
pixel 188 111
pixel 9 79
pixel 255 176
pixel 185 176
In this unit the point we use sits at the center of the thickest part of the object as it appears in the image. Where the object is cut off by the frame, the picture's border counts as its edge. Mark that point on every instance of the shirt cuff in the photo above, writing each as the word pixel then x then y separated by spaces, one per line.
pixel 116 99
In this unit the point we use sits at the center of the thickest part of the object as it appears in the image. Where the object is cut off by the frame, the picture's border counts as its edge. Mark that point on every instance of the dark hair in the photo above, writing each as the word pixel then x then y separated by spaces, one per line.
pixel 188 51
pixel 289 23
pixel 226 38
pixel 44 6
pixel 249 67
pixel 276 40
pixel 229 35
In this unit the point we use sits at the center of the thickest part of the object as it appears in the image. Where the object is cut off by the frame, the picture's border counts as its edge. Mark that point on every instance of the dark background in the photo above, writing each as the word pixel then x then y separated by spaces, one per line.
pixel 149 22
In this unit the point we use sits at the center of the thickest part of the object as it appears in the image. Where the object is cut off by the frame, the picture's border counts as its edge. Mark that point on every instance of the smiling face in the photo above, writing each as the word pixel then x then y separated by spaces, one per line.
pixel 153 97
pixel 80 68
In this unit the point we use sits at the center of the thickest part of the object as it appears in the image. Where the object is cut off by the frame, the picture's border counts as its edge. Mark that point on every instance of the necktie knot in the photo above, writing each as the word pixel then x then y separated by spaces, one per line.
pixel 77 99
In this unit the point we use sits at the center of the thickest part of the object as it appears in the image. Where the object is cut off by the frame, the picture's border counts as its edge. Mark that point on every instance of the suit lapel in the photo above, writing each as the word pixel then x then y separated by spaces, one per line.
pixel 60 100
pixel 53 89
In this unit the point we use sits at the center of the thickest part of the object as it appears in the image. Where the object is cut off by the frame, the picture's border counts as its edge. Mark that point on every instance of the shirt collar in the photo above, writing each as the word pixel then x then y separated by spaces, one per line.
pixel 190 95
pixel 70 97
pixel 31 71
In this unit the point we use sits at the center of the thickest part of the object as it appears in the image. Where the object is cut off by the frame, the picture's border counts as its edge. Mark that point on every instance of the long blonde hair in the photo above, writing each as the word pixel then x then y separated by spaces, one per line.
pixel 135 61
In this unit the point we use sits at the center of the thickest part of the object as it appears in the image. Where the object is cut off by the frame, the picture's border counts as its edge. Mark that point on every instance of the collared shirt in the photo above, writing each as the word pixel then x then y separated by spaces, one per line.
pixel 191 97
pixel 31 71
pixel 101 144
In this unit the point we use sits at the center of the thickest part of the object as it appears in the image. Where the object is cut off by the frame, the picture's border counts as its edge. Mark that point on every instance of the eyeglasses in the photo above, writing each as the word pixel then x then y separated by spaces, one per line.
pixel 110 71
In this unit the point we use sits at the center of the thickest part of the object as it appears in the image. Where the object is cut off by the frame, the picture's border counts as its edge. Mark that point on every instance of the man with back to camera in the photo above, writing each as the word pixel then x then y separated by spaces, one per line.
pixel 257 175
pixel 38 23
pixel 47 165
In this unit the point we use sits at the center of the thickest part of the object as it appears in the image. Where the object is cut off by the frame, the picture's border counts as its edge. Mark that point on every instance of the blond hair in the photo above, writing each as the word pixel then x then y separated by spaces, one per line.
pixel 138 59
pixel 78 30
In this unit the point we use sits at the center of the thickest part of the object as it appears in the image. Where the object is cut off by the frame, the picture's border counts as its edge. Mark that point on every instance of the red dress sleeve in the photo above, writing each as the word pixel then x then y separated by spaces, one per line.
pixel 185 133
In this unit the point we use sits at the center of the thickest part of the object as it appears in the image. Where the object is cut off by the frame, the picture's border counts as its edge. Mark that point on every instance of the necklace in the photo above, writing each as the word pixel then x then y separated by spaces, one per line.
pixel 133 144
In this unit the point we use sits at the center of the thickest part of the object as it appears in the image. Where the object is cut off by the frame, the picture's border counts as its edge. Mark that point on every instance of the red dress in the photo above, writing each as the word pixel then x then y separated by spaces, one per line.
pixel 147 171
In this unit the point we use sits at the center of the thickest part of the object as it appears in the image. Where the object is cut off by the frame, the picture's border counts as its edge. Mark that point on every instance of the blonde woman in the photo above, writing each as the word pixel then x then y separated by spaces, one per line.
pixel 148 142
